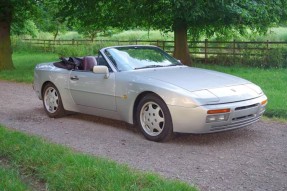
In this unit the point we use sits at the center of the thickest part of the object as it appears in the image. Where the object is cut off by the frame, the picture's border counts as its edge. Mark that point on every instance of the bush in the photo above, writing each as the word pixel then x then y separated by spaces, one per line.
pixel 19 46
pixel 78 51
pixel 273 58
pixel 277 58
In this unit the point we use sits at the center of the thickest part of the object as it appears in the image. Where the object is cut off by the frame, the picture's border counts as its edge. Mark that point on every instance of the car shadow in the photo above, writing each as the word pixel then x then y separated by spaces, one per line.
pixel 103 121
pixel 246 134
pixel 243 134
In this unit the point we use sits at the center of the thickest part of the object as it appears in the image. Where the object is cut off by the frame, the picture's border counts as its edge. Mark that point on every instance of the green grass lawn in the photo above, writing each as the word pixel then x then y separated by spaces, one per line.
pixel 11 180
pixel 24 64
pixel 59 168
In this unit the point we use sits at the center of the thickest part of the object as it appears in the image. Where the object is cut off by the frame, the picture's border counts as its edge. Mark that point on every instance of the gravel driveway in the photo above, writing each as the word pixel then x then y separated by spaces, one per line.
pixel 252 158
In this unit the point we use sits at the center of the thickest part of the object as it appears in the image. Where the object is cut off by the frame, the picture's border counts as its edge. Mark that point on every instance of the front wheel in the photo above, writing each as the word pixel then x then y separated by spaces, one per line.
pixel 154 119
pixel 52 101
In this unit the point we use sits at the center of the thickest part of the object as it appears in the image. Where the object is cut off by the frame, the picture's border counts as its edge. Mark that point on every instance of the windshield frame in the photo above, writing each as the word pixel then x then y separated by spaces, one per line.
pixel 120 50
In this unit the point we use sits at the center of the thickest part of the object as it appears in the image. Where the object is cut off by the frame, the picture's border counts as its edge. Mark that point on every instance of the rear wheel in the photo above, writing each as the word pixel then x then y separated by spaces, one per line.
pixel 52 101
pixel 154 119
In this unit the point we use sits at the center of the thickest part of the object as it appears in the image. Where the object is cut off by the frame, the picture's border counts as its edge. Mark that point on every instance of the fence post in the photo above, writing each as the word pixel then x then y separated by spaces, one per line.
pixel 233 51
pixel 205 50
pixel 73 41
pixel 267 52
pixel 163 45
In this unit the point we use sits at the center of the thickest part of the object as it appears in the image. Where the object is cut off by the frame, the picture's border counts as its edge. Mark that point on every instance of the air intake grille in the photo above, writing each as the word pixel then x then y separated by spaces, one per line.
pixel 246 107
pixel 243 117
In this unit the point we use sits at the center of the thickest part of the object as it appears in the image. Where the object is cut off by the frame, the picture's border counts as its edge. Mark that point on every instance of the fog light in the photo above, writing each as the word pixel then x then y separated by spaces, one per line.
pixel 262 109
pixel 221 117
pixel 211 118
pixel 217 118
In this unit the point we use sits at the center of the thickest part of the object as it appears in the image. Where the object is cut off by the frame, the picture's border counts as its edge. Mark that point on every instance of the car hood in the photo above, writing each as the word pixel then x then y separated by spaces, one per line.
pixel 206 86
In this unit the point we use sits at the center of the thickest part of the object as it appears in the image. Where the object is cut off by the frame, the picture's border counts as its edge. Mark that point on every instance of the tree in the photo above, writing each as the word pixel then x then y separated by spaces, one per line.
pixel 88 30
pixel 48 20
pixel 12 11
pixel 20 14
pixel 181 16
pixel 5 41
pixel 86 17
pixel 26 28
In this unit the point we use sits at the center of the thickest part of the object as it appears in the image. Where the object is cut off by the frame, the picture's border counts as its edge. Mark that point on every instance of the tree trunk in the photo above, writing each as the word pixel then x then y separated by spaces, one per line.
pixel 181 51
pixel 6 62
pixel 56 34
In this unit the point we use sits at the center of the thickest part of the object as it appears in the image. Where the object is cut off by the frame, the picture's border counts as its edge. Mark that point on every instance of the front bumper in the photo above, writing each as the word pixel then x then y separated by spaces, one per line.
pixel 193 120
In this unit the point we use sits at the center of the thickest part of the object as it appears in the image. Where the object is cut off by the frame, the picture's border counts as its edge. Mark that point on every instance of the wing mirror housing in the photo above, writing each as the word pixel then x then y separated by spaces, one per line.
pixel 101 70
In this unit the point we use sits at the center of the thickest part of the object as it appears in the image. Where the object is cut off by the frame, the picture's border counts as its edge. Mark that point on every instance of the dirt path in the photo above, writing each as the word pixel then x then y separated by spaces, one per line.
pixel 252 158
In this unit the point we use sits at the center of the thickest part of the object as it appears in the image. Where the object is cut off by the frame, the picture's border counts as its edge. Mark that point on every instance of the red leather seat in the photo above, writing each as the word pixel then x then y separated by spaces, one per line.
pixel 89 62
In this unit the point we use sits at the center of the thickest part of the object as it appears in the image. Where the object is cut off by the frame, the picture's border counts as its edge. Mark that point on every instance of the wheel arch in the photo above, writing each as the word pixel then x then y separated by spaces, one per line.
pixel 166 132
pixel 43 87
pixel 137 100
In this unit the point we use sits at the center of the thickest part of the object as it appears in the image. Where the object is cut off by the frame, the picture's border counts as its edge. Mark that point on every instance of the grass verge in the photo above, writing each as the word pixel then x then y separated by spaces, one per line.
pixel 62 169
pixel 11 180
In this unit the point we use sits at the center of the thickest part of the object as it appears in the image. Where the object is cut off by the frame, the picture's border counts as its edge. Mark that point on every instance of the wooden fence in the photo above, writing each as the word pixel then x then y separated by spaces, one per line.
pixel 205 50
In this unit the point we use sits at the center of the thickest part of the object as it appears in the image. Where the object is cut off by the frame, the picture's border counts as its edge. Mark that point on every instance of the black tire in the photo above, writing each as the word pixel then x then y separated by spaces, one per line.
pixel 52 101
pixel 153 118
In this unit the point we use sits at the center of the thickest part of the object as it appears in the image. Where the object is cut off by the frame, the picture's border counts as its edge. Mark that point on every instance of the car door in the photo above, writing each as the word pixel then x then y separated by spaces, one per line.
pixel 93 90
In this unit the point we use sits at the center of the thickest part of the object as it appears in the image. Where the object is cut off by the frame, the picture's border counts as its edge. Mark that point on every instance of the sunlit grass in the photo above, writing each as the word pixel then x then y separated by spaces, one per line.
pixel 274 34
pixel 60 168
pixel 141 35
pixel 24 64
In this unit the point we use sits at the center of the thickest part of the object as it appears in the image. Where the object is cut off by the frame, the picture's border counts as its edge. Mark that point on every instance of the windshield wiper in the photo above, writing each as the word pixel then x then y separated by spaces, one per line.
pixel 179 64
pixel 149 66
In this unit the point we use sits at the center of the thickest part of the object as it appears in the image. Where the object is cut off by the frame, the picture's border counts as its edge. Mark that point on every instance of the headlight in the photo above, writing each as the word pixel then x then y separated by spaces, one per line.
pixel 254 87
pixel 204 96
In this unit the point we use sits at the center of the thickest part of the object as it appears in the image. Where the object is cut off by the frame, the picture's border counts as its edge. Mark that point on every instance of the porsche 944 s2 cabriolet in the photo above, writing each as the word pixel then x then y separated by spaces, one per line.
pixel 145 86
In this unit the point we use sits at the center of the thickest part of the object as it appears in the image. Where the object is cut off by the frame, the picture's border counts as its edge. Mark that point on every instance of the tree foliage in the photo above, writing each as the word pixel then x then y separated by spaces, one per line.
pixel 49 20
pixel 195 17
pixel 28 27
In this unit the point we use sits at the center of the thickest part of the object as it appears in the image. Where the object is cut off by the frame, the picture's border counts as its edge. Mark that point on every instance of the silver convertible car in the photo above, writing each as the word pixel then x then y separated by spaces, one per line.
pixel 145 86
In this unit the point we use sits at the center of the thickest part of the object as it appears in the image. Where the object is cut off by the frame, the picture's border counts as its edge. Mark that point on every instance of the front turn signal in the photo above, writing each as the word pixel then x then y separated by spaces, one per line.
pixel 216 111
pixel 264 102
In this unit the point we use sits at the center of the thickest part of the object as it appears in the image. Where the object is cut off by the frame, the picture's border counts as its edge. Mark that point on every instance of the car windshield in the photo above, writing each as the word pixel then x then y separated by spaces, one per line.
pixel 139 57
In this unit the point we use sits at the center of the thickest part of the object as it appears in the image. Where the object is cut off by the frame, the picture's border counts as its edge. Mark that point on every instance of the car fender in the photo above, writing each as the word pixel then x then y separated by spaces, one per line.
pixel 129 87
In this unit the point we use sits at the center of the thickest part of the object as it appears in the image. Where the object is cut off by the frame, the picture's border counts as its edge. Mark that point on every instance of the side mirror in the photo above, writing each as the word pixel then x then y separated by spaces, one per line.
pixel 101 70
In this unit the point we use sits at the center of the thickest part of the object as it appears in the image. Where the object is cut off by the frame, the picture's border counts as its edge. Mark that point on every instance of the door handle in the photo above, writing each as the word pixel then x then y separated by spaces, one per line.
pixel 74 78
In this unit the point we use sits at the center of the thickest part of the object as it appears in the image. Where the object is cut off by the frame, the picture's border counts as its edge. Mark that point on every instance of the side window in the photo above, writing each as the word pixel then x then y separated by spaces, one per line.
pixel 102 62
